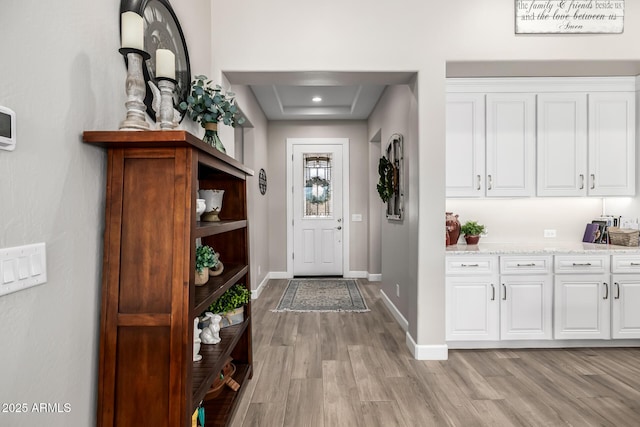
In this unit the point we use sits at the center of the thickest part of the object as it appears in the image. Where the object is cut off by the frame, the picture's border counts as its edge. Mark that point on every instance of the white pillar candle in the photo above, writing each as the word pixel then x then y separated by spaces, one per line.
pixel 132 31
pixel 165 64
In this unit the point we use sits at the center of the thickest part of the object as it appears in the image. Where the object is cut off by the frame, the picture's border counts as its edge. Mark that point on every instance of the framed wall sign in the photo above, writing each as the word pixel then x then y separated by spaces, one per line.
pixel 394 152
pixel 569 16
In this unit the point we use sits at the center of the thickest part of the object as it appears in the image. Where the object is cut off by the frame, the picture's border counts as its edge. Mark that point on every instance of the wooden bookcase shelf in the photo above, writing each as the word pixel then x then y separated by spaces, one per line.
pixel 149 300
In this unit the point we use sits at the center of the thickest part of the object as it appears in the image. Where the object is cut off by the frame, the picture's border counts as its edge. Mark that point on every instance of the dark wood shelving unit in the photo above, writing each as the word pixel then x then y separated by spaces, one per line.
pixel 149 300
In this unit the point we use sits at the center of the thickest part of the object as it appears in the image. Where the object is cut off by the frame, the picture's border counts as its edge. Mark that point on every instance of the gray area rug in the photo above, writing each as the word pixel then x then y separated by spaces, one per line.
pixel 322 295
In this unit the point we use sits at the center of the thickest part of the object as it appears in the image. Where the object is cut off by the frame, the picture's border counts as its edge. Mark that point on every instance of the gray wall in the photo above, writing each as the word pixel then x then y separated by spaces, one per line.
pixel 356 131
pixel 396 112
pixel 62 74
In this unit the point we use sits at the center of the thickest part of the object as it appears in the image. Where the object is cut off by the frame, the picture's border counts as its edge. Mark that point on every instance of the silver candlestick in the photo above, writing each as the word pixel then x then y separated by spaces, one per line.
pixel 167 86
pixel 136 90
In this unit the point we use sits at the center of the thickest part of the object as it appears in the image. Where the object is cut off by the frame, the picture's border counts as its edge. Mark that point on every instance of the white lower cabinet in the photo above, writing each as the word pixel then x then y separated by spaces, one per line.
pixel 625 306
pixel 472 304
pixel 582 309
pixel 525 307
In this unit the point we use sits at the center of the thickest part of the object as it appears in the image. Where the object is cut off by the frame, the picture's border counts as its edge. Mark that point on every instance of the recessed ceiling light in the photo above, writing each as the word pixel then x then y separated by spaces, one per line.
pixel 316 99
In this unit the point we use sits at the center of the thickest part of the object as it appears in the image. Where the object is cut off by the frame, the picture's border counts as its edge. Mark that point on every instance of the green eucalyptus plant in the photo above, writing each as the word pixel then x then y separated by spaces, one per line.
pixel 235 297
pixel 471 228
pixel 205 257
pixel 208 104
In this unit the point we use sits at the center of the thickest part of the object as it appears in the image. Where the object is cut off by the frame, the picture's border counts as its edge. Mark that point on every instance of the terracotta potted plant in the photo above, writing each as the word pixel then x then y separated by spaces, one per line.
pixel 208 104
pixel 472 231
pixel 231 304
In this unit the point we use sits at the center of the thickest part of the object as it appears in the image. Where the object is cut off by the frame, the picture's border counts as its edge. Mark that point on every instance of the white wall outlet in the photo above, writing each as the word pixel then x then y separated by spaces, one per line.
pixel 22 267
pixel 550 233
pixel 398 290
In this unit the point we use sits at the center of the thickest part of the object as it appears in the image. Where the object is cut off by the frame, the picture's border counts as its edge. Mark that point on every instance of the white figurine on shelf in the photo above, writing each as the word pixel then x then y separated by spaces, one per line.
pixel 196 340
pixel 211 333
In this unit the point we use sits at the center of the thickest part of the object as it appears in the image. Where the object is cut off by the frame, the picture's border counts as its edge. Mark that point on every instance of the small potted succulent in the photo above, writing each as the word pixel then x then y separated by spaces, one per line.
pixel 231 304
pixel 205 258
pixel 208 104
pixel 472 231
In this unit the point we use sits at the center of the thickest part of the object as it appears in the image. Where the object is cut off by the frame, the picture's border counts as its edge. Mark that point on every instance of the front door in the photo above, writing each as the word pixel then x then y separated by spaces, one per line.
pixel 317 210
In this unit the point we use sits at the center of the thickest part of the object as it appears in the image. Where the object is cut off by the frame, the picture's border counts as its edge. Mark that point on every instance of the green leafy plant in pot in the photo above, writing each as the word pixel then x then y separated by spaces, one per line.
pixel 231 304
pixel 208 105
pixel 206 258
pixel 472 231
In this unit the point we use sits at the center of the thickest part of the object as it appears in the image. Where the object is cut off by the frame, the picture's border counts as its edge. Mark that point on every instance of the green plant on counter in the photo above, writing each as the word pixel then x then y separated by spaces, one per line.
pixel 233 298
pixel 472 228
pixel 205 257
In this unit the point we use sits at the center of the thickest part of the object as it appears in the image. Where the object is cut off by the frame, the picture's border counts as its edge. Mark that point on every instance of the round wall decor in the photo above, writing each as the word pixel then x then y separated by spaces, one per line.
pixel 262 181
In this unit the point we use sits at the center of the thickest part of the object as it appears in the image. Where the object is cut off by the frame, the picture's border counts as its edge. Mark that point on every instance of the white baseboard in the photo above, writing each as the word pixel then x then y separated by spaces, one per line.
pixel 279 275
pixel 402 321
pixel 374 277
pixel 255 293
pixel 355 275
pixel 427 352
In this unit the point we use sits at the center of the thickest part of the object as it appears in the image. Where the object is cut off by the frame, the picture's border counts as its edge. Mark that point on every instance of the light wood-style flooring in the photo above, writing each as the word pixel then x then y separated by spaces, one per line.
pixel 353 369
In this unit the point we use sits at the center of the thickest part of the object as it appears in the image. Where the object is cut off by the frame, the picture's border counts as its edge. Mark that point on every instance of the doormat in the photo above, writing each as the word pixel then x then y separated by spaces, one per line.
pixel 322 295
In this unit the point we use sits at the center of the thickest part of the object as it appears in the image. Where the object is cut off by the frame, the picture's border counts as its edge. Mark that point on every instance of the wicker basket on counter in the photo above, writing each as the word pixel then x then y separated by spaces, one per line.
pixel 623 237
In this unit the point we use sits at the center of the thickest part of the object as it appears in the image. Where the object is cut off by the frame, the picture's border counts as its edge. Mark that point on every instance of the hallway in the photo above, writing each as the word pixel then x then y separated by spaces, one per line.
pixel 354 369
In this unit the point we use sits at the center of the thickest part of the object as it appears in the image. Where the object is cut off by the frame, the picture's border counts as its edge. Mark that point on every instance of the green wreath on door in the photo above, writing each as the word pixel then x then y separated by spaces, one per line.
pixel 388 179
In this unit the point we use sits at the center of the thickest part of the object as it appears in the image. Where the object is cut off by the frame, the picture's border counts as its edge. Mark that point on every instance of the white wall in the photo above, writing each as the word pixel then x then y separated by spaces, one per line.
pixel 356 132
pixel 62 74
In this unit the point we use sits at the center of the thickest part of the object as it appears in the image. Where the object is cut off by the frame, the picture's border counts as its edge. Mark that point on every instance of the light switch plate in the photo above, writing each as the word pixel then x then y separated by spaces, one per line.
pixel 356 217
pixel 22 267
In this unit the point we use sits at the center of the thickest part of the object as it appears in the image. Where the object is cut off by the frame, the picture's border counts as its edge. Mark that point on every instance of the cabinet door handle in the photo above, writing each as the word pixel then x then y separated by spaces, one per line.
pixel 617 290
pixel 635 264
pixel 606 291
pixel 479 179
pixel 582 181
pixel 582 264
pixel 493 292
pixel 533 264
pixel 593 181
pixel 469 265
pixel 490 182
pixel 504 297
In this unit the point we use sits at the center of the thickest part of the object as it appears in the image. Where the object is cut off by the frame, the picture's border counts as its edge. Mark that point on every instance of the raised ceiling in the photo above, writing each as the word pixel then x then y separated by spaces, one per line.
pixel 344 95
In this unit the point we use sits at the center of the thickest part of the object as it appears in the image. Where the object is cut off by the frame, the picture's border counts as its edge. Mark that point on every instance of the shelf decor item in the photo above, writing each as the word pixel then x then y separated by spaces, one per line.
pixel 161 31
pixel 211 330
pixel 206 258
pixel 231 304
pixel 132 43
pixel 213 200
pixel 196 341
pixel 209 105
pixel 472 231
pixel 453 228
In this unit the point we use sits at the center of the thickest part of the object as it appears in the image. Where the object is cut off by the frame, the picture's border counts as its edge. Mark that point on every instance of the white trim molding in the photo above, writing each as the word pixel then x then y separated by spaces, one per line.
pixel 355 275
pixel 374 277
pixel 427 352
pixel 280 275
pixel 255 293
pixel 402 321
pixel 542 84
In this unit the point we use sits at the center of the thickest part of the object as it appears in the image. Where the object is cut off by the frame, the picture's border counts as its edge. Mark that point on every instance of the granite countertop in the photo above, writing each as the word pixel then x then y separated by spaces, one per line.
pixel 542 248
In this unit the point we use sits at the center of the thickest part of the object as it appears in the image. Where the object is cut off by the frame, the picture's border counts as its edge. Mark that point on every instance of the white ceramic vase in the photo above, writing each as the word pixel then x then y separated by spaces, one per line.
pixel 201 205
pixel 213 201
pixel 211 333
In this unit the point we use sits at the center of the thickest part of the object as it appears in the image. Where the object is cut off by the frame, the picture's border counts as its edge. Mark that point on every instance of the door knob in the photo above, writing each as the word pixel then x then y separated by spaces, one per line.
pixel 339 219
pixel 339 228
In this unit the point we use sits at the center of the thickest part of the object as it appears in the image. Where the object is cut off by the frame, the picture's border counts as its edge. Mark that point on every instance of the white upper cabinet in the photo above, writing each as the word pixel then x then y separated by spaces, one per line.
pixel 562 144
pixel 561 136
pixel 612 144
pixel 511 142
pixel 465 145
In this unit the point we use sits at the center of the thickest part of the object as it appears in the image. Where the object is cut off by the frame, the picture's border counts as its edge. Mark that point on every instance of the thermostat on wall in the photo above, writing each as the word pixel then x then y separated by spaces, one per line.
pixel 7 129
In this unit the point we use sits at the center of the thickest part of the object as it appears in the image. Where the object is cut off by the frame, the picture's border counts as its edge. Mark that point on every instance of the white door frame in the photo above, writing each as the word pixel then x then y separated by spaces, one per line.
pixel 345 197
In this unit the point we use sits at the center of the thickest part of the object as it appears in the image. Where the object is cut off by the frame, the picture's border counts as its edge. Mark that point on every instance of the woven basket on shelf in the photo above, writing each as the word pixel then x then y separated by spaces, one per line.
pixel 623 237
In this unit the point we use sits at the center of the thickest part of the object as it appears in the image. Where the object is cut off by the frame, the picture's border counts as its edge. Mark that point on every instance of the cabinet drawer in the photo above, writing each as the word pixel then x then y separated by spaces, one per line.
pixel 625 264
pixel 525 264
pixel 461 265
pixel 567 264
